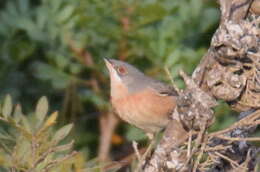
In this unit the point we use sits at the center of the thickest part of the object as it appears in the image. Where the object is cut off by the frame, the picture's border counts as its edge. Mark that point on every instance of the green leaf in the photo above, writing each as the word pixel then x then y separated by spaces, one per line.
pixel 6 136
pixel 62 133
pixel 21 129
pixel 209 18
pixel 151 13
pixel 42 17
pixel 18 113
pixel 65 13
pixel 65 147
pixel 59 79
pixel 7 107
pixel 48 123
pixel 26 124
pixel 42 109
pixel 22 150
pixel 11 9
pixel 134 133
pixel 23 6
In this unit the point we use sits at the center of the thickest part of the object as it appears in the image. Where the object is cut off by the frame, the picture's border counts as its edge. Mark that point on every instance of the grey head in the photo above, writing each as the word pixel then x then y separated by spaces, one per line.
pixel 134 79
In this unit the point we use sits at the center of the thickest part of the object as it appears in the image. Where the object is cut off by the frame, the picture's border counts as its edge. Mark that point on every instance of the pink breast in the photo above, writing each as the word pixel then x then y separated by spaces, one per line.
pixel 146 110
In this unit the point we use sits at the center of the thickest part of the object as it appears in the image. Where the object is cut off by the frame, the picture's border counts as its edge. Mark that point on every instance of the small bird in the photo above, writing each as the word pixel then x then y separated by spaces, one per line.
pixel 138 99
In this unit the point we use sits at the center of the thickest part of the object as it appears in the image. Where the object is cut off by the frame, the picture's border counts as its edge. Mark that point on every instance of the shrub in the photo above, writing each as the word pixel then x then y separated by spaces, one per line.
pixel 31 142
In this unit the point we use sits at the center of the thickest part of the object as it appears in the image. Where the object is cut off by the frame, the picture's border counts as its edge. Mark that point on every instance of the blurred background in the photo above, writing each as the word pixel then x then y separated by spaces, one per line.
pixel 56 48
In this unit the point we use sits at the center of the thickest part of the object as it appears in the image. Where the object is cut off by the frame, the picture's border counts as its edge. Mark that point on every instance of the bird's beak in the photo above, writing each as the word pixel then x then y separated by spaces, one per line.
pixel 109 65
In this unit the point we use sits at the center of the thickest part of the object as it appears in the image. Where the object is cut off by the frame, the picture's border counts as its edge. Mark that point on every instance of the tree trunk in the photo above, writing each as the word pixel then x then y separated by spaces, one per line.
pixel 230 71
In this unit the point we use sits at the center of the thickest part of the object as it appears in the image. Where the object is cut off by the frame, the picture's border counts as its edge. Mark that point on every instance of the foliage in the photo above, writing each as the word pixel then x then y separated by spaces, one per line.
pixel 31 143
pixel 55 48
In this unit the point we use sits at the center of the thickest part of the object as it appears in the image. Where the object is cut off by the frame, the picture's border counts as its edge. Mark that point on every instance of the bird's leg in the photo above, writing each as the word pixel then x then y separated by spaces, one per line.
pixel 152 140
pixel 134 143
pixel 150 136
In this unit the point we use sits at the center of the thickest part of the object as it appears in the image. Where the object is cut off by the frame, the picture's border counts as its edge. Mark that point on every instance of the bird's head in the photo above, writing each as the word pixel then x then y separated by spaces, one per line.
pixel 124 74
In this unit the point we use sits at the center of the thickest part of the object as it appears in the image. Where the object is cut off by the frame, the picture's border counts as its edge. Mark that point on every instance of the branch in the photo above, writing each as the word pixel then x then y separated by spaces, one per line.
pixel 230 70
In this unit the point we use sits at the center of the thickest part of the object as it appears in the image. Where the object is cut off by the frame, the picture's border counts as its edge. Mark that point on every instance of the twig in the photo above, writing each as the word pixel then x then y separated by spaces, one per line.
pixel 57 161
pixel 201 135
pixel 148 150
pixel 247 121
pixel 171 79
pixel 135 144
pixel 107 124
pixel 239 138
pixel 189 144
pixel 245 163
pixel 3 119
pixel 200 155
pixel 206 164
pixel 217 148
pixel 232 162
pixel 123 162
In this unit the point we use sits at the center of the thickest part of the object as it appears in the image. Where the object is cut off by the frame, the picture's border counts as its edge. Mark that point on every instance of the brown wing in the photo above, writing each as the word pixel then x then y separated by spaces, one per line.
pixel 163 89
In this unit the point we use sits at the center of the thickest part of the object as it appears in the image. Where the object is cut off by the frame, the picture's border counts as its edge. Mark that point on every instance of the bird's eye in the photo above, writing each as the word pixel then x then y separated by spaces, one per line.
pixel 121 70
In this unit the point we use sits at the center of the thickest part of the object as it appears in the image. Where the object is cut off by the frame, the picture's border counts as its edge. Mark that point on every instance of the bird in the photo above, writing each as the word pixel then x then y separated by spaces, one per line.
pixel 138 99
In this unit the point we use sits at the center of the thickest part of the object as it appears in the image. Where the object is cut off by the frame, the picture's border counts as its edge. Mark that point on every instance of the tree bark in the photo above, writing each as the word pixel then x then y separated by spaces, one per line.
pixel 230 70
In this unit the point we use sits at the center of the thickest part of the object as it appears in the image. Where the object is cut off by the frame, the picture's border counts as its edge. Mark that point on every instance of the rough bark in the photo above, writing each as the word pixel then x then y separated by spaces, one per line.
pixel 230 71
